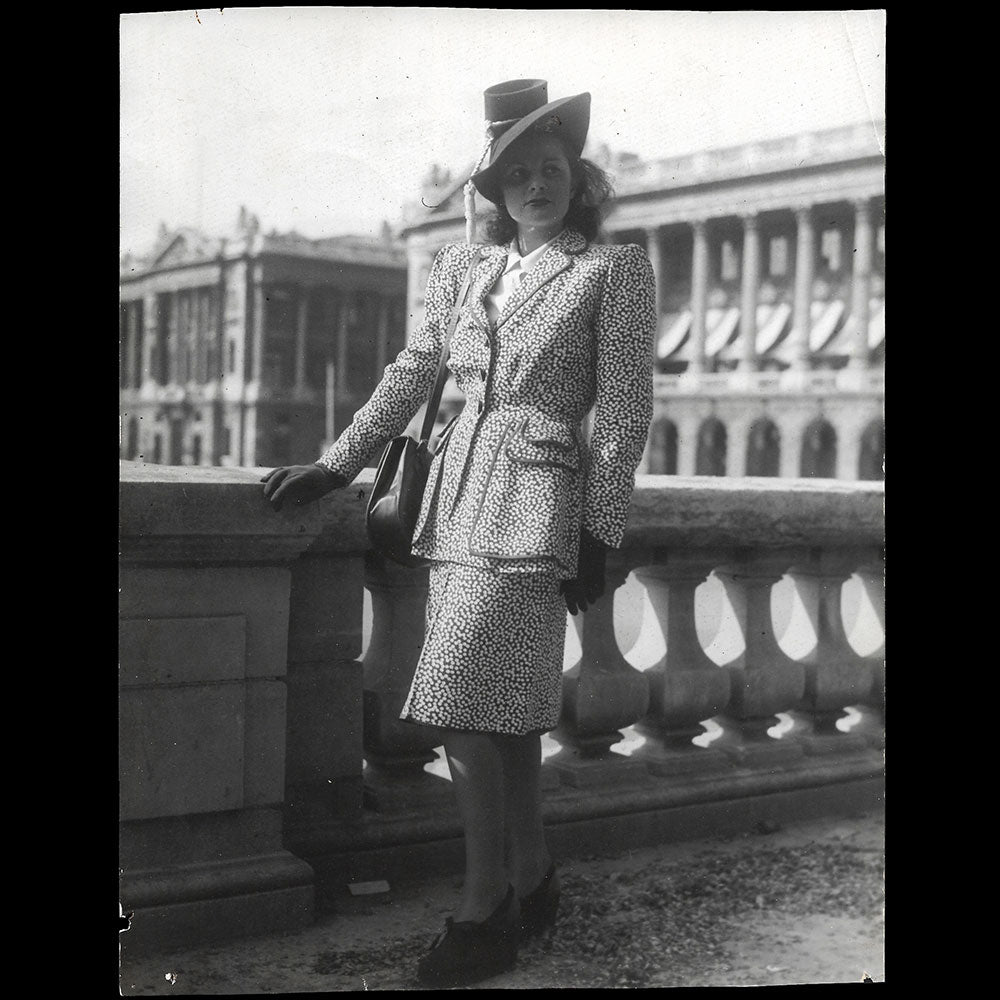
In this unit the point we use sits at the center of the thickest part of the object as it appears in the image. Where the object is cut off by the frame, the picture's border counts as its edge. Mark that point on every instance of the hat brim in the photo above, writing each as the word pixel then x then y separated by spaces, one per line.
pixel 571 121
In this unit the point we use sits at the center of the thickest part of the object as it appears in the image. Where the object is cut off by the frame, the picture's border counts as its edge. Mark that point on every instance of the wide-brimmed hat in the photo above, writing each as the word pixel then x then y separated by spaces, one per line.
pixel 517 107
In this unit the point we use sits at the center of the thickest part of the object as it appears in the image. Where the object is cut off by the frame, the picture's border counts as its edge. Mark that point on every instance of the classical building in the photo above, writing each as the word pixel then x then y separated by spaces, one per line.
pixel 770 267
pixel 253 350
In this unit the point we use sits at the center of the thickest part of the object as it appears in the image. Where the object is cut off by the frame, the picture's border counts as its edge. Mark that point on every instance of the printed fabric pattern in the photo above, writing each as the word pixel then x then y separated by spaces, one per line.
pixel 517 479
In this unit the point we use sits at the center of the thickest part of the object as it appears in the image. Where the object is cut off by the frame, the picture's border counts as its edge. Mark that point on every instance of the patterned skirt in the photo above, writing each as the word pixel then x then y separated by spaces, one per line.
pixel 493 652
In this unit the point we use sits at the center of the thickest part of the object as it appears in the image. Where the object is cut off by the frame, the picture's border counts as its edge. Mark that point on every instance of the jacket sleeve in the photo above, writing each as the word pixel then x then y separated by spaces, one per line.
pixel 406 383
pixel 626 322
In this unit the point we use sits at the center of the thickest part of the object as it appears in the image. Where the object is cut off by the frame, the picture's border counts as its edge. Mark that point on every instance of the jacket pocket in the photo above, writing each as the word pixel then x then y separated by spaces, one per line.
pixel 530 501
pixel 539 441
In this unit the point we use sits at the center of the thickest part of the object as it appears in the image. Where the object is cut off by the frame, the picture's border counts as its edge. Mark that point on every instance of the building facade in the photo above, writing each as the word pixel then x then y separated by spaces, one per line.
pixel 253 350
pixel 770 273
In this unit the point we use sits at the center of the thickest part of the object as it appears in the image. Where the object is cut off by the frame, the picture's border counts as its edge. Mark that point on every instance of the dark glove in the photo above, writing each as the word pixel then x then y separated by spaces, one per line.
pixel 588 584
pixel 299 484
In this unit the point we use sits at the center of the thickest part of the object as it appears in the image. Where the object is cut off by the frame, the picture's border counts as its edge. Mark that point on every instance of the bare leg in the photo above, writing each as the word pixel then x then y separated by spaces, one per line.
pixel 477 775
pixel 528 858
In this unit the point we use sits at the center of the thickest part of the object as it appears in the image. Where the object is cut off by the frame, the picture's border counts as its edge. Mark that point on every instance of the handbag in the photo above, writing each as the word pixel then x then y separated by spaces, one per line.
pixel 401 477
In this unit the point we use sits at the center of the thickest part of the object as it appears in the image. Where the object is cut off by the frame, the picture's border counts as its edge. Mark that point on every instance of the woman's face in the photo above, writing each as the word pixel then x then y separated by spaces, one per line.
pixel 537 185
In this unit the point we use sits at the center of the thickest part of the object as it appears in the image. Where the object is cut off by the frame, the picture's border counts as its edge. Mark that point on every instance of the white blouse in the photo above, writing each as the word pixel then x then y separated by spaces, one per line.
pixel 517 267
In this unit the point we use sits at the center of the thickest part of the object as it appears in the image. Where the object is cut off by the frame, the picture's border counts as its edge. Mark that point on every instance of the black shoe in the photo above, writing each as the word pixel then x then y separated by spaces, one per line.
pixel 467 951
pixel 539 907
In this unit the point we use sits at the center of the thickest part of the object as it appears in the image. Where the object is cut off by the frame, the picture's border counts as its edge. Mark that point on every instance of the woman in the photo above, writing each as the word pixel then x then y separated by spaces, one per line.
pixel 519 509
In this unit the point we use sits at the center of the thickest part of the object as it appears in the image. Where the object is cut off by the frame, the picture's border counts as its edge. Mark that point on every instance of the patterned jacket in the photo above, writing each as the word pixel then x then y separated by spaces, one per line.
pixel 516 478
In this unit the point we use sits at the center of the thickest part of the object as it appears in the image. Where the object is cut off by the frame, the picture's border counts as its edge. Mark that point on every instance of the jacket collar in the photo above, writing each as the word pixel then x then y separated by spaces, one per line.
pixel 556 259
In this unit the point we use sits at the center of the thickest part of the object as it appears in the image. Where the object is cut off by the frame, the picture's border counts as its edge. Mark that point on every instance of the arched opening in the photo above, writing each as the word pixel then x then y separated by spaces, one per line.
pixel 819 451
pixel 663 448
pixel 872 451
pixel 711 456
pixel 763 448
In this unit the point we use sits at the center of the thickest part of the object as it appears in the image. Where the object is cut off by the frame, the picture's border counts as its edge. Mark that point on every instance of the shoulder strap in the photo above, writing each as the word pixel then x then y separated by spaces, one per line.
pixel 430 415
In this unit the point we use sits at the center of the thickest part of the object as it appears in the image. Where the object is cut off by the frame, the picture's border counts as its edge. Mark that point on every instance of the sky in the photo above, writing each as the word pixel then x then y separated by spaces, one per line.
pixel 326 119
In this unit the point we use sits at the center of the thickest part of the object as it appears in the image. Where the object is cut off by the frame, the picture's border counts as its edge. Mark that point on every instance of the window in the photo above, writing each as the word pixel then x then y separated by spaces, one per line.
pixel 830 249
pixel 777 265
pixel 729 263
pixel 711 455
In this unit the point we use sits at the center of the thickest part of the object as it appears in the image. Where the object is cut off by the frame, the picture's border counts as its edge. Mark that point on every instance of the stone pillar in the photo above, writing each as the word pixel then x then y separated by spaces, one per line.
pixel 343 328
pixel 602 693
pixel 258 324
pixel 174 364
pixel 835 676
pixel 396 751
pixel 205 584
pixel 150 343
pixel 687 443
pixel 699 295
pixel 737 440
pixel 769 681
pixel 686 687
pixel 748 293
pixel 805 252
pixel 861 283
pixel 301 331
pixel 655 254
pixel 382 344
pixel 790 461
pixel 848 448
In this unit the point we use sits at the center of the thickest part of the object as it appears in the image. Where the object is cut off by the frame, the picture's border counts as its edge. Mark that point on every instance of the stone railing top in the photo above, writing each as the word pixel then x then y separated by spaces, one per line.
pixel 185 507
pixel 698 512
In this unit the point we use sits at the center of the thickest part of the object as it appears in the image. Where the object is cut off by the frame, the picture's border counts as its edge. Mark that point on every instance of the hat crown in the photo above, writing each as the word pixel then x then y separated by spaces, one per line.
pixel 514 99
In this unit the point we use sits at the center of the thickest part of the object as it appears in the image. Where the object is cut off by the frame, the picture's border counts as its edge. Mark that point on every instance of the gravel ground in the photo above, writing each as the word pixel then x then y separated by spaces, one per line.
pixel 797 905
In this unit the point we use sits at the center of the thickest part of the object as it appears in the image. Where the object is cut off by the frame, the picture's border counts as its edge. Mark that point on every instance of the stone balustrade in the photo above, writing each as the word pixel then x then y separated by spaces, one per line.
pixel 731 675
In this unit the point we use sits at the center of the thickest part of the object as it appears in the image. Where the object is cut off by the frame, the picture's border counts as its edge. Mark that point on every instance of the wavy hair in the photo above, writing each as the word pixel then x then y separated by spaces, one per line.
pixel 593 189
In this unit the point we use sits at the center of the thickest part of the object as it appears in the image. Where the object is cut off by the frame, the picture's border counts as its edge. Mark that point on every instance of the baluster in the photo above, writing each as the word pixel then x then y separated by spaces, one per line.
pixel 835 675
pixel 602 694
pixel 872 706
pixel 768 682
pixel 396 751
pixel 686 686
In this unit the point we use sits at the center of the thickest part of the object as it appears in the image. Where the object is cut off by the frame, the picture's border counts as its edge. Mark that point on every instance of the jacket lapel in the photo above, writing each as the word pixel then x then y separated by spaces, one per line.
pixel 555 260
pixel 485 277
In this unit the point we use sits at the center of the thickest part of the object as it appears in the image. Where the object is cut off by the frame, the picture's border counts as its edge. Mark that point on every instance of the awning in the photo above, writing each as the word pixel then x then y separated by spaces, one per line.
pixel 675 328
pixel 825 317
pixel 722 331
pixel 774 329
pixel 841 343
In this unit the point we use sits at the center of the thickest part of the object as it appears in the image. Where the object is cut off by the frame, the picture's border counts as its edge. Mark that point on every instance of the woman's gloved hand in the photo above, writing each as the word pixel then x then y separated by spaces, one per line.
pixel 588 584
pixel 299 484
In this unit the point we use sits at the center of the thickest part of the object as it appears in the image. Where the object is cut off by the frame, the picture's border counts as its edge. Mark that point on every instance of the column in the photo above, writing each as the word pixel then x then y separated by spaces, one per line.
pixel 848 448
pixel 382 343
pixel 768 682
pixel 687 444
pixel 603 693
pixel 346 302
pixel 804 268
pixel 748 293
pixel 835 675
pixel 699 295
pixel 790 461
pixel 173 369
pixel 257 325
pixel 737 439
pixel 861 283
pixel 655 254
pixel 150 345
pixel 686 687
pixel 301 329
